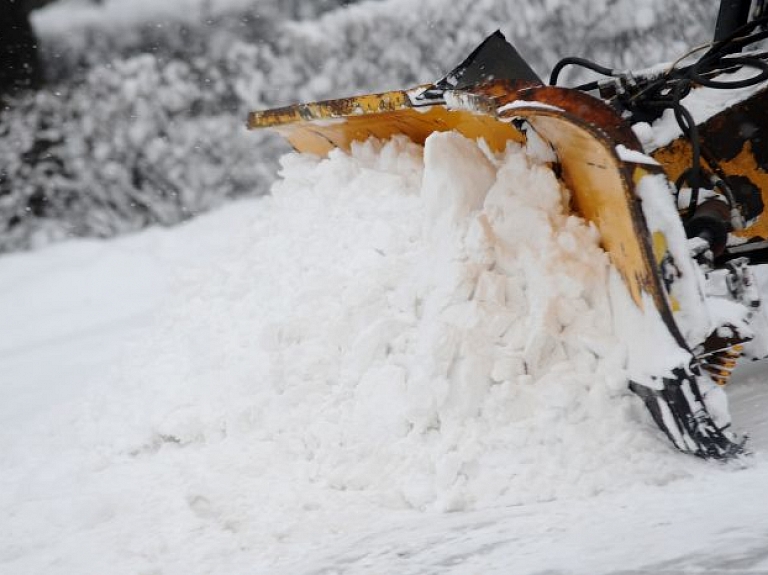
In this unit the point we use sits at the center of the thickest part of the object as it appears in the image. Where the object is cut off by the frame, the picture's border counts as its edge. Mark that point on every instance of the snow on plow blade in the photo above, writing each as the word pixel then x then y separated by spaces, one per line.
pixel 600 160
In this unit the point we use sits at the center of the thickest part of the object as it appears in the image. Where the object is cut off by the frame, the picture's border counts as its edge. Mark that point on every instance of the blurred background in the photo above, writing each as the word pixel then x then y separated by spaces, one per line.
pixel 119 114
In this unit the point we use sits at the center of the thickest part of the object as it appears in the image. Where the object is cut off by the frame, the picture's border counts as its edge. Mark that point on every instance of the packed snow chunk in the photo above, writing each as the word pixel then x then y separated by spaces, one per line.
pixel 457 177
pixel 628 155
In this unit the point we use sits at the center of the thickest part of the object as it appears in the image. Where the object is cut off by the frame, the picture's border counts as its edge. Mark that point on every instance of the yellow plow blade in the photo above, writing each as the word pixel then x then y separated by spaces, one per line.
pixel 600 160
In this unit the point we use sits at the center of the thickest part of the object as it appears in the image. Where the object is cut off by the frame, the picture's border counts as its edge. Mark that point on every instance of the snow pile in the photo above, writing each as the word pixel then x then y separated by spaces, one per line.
pixel 393 332
pixel 434 332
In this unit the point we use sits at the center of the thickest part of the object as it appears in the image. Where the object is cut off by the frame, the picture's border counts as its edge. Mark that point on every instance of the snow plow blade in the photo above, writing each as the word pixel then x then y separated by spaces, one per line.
pixel 600 160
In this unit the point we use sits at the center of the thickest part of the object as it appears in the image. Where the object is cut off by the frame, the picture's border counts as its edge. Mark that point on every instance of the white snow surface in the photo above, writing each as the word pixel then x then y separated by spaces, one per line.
pixel 309 382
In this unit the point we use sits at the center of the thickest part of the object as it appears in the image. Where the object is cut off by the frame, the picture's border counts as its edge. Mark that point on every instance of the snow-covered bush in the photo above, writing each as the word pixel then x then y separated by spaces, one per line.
pixel 144 122
pixel 134 144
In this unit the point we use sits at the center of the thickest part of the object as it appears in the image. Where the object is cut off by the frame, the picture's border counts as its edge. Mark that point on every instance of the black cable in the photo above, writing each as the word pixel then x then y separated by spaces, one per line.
pixel 738 39
pixel 691 132
pixel 649 96
pixel 698 76
pixel 576 61
pixel 588 87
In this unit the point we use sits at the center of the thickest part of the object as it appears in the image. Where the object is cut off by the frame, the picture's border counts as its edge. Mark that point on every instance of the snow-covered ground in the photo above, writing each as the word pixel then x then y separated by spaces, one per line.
pixel 386 366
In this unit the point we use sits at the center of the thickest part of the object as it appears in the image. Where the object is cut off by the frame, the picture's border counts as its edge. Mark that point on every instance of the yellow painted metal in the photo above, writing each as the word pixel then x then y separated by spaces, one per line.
pixel 733 139
pixel 746 164
pixel 659 246
pixel 319 127
pixel 721 364
pixel 660 251
pixel 676 158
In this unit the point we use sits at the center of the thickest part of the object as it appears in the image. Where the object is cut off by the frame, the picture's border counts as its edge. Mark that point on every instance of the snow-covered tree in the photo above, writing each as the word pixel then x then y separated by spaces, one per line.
pixel 144 120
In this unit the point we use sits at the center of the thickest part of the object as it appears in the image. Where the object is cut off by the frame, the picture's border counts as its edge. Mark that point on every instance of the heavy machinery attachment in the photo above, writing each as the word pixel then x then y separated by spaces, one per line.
pixel 678 267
